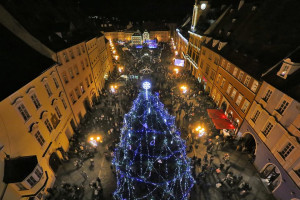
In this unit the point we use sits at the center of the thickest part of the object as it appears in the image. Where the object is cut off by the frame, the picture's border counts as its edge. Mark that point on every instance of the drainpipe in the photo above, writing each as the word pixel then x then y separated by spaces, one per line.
pixel 66 95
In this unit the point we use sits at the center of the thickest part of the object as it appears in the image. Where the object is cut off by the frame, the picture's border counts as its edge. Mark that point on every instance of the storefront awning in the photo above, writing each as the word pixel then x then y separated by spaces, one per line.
pixel 219 119
pixel 223 124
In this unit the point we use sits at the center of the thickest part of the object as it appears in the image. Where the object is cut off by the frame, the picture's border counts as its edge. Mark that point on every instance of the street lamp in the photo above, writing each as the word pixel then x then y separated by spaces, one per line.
pixel 184 89
pixel 176 70
pixel 113 88
pixel 200 130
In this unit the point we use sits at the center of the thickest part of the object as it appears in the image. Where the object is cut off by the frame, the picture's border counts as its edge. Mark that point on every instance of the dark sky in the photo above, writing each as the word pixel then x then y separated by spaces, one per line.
pixel 140 10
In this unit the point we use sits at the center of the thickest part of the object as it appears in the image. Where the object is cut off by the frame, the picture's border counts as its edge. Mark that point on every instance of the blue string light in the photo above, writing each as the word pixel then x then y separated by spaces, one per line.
pixel 151 160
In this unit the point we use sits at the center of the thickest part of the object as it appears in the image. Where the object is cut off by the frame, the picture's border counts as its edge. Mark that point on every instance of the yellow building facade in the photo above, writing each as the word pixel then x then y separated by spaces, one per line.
pixel 35 120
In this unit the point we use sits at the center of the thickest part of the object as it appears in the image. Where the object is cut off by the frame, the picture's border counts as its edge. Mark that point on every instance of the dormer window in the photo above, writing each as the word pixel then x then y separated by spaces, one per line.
pixel 284 71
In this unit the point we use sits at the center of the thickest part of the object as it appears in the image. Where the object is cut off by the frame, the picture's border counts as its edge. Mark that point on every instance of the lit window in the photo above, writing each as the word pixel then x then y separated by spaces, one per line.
pixel 23 112
pixel 223 63
pixel 219 77
pixel 256 115
pixel 48 125
pixel 286 150
pixel 228 66
pixel 233 94
pixel 49 92
pixel 267 129
pixel 254 86
pixel 284 71
pixel 247 80
pixel 282 107
pixel 35 101
pixel 245 106
pixel 267 96
pixel 39 138
pixel 235 71
pixel 223 82
pixel 239 99
pixel 82 88
pixel 241 75
pixel 229 89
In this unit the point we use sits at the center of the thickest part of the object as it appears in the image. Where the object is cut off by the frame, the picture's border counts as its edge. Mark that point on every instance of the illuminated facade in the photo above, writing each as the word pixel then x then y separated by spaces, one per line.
pixel 34 120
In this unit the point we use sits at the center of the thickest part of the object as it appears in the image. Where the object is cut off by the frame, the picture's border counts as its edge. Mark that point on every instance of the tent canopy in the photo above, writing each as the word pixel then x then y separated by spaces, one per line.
pixel 219 119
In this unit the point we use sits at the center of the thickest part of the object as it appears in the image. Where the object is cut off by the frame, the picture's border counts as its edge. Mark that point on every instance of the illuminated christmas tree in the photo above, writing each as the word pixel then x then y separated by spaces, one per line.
pixel 150 160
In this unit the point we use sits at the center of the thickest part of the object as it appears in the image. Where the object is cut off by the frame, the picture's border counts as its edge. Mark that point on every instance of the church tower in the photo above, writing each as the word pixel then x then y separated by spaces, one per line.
pixel 199 8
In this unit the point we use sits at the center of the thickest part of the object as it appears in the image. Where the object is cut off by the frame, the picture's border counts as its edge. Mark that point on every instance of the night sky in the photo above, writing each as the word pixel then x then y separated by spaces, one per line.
pixel 140 10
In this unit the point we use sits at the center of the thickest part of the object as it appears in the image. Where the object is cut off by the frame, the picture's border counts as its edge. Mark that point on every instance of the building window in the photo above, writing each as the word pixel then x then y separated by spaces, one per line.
pixel 91 80
pixel 35 101
pixel 235 71
pixel 64 75
pixel 55 82
pixel 283 107
pixel 86 62
pixel 39 173
pixel 71 53
pixel 48 125
pixel 38 136
pixel 216 61
pixel 209 56
pixel 71 73
pixel 245 106
pixel 201 64
pixel 247 80
pixel 77 92
pixel 72 97
pixel 82 65
pixel 254 86
pixel 228 67
pixel 228 89
pixel 66 57
pixel 239 99
pixel 82 88
pixel 267 95
pixel 31 181
pixel 57 112
pixel 267 129
pixel 233 93
pixel 49 92
pixel 64 103
pixel 212 75
pixel 203 51
pixel 76 69
pixel 297 172
pixel 241 75
pixel 87 82
pixel 256 115
pixel 218 78
pixel 286 150
pixel 24 112
pixel 223 63
pixel 21 187
pixel 82 48
pixel 207 69
pixel 223 82
pixel 78 51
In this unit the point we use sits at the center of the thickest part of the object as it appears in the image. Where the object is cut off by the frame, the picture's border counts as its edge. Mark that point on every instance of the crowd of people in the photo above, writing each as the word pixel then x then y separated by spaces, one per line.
pixel 189 108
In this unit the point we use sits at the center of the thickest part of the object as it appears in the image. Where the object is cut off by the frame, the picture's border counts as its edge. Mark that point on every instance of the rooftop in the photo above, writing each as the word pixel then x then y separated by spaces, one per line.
pixel 258 36
pixel 17 169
